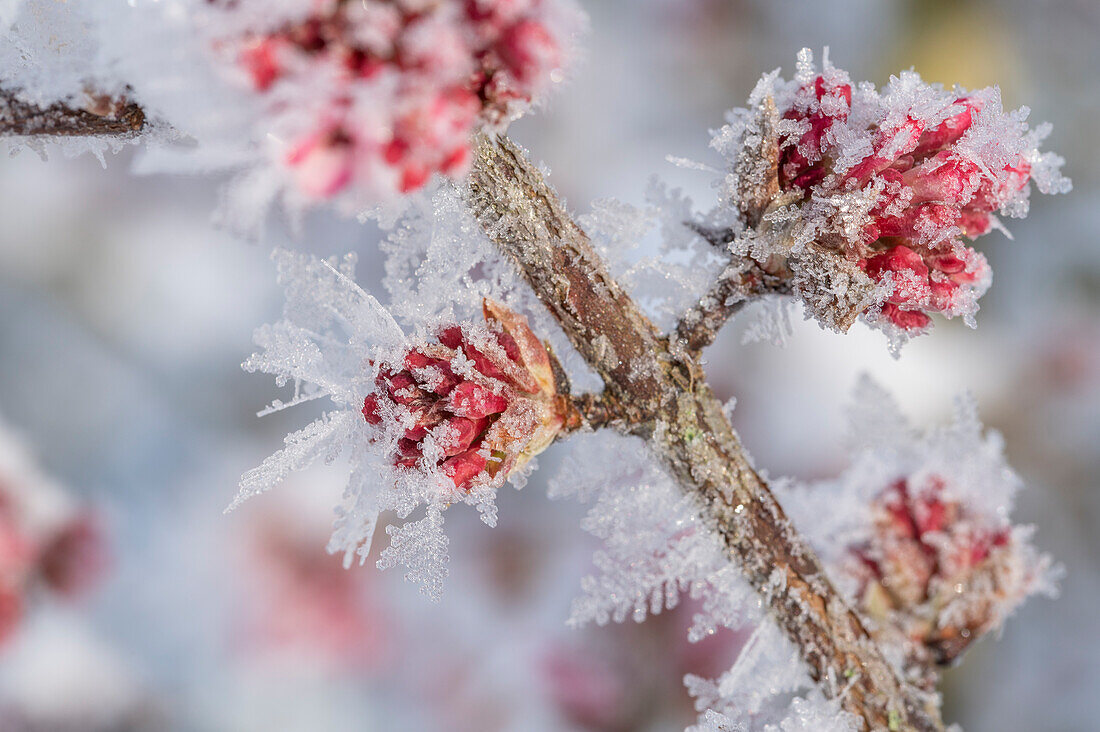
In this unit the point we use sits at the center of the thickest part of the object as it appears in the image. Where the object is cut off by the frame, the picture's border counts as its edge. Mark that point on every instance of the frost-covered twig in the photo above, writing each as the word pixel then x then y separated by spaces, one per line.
pixel 100 116
pixel 699 326
pixel 687 429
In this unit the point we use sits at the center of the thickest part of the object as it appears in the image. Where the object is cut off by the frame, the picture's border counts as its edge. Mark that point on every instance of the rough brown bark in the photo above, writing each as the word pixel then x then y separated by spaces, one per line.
pixel 100 116
pixel 663 392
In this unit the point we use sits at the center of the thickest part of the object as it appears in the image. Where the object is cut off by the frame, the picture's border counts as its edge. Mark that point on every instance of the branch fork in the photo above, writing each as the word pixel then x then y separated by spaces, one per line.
pixel 662 392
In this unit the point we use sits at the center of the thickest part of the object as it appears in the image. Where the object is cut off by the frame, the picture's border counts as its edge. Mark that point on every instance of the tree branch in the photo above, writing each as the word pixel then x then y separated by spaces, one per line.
pixel 100 116
pixel 597 411
pixel 685 425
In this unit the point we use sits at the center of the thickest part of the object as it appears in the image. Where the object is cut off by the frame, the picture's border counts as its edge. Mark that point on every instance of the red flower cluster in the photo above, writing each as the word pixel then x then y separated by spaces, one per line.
pixel 934 572
pixel 64 559
pixel 929 186
pixel 384 93
pixel 476 403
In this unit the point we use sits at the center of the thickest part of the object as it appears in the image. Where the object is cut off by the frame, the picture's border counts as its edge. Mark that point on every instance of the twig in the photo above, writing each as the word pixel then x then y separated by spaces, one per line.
pixel 590 411
pixel 100 116
pixel 687 428
pixel 699 326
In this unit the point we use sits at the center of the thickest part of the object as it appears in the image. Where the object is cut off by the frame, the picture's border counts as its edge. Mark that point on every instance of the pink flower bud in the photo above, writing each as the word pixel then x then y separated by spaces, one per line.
pixel 260 59
pixel 75 557
pixel 529 51
pixel 485 398
pixel 888 180
pixel 322 164
pixel 11 610
pixel 936 573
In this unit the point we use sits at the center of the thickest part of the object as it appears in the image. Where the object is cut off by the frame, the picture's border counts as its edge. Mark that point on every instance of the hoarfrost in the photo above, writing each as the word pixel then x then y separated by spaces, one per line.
pixel 767 689
pixel 656 544
pixel 860 198
pixel 440 265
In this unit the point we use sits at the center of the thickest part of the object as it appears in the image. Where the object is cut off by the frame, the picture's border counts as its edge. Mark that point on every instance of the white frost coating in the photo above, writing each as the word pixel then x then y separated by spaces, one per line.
pixel 49 52
pixel 655 546
pixel 655 543
pixel 771 322
pixel 422 547
pixel 809 713
pixel 884 446
pixel 767 689
pixel 440 265
pixel 864 174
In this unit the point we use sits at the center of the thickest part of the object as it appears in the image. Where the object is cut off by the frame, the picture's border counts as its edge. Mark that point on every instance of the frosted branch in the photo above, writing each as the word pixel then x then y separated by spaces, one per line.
pixel 668 398
pixel 100 116
pixel 597 411
pixel 737 286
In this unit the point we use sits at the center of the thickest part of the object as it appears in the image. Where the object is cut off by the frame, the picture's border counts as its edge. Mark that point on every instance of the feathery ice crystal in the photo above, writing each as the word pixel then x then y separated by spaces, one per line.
pixel 916 532
pixel 476 404
pixel 864 199
pixel 378 95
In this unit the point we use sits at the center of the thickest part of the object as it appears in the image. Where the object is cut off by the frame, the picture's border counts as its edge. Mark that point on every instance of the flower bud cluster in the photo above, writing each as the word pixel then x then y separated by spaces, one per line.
pixel 935 572
pixel 475 404
pixel 377 95
pixel 896 182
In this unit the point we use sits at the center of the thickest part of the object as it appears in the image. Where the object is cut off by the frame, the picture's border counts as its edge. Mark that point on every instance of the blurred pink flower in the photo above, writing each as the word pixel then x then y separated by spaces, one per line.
pixel 408 83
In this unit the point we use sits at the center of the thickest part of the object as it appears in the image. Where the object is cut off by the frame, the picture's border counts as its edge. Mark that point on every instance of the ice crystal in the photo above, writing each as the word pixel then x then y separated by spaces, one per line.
pixel 759 692
pixel 441 266
pixel 656 542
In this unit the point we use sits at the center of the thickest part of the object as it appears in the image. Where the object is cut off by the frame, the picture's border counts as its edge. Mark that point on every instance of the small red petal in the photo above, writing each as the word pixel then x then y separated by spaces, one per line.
pixel 895 259
pixel 460 433
pixel 370 409
pixel 413 178
pixel 465 467
pixel 906 319
pixel 474 400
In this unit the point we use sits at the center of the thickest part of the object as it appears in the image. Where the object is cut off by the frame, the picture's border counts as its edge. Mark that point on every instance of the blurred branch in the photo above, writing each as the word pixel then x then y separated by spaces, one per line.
pixel 667 396
pixel 100 116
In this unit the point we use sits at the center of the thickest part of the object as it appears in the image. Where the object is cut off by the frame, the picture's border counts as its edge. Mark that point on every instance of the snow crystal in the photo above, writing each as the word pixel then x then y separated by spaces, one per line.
pixel 422 547
pixel 767 689
pixel 656 544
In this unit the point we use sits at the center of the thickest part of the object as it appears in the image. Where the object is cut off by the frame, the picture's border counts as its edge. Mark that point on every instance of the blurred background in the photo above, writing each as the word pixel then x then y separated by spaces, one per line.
pixel 125 313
